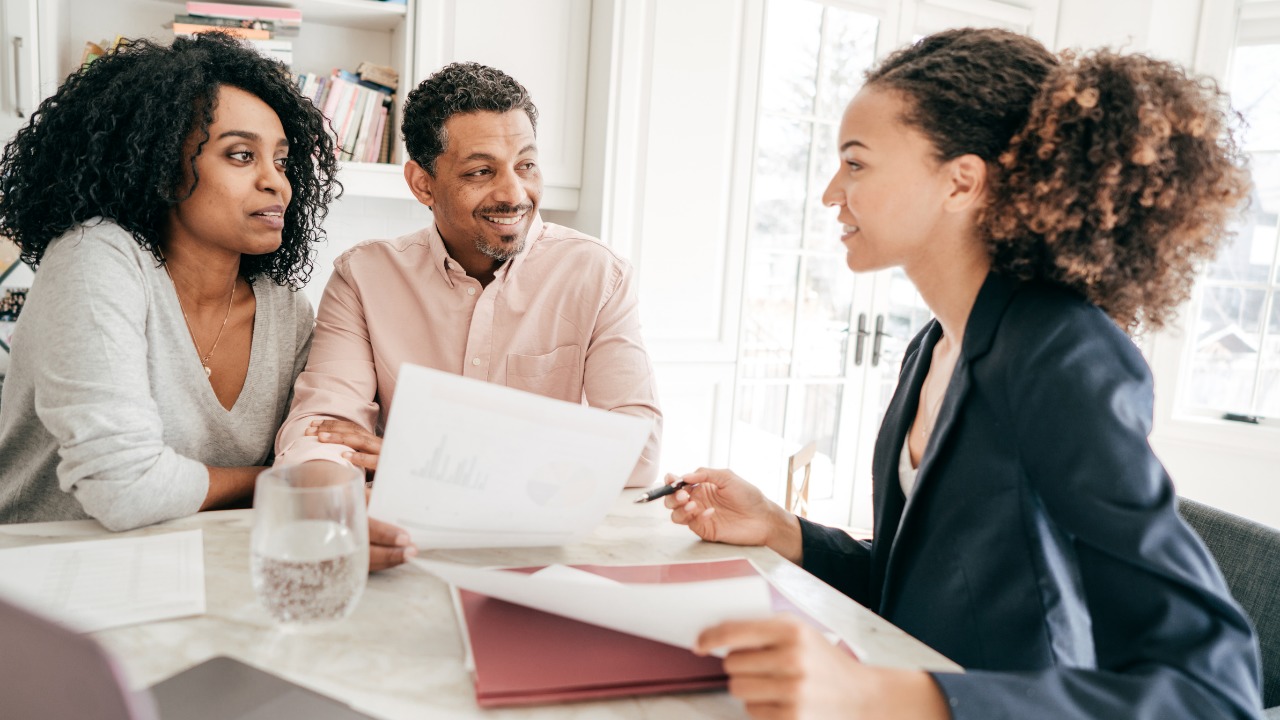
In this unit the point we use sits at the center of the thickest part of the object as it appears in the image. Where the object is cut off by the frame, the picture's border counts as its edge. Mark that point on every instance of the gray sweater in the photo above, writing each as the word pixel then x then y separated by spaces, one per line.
pixel 106 411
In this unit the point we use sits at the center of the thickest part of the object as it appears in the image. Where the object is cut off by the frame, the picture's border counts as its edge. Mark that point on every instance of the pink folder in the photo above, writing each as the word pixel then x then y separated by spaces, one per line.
pixel 528 657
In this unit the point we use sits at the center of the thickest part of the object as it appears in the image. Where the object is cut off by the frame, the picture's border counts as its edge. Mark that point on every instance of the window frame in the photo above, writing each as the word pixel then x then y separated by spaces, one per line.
pixel 1169 351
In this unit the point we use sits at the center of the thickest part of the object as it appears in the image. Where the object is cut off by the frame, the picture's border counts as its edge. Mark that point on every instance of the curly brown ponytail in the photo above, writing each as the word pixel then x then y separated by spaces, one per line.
pixel 1125 179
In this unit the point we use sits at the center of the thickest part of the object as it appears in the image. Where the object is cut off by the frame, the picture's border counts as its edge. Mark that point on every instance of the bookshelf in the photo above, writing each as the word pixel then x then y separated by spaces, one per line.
pixel 543 43
pixel 334 34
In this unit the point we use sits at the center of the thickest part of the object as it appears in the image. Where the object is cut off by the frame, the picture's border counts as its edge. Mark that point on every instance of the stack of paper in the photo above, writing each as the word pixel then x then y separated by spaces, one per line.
pixel 99 584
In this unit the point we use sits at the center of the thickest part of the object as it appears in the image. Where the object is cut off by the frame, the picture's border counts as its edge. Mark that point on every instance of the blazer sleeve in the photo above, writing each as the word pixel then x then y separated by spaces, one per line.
pixel 837 559
pixel 1169 640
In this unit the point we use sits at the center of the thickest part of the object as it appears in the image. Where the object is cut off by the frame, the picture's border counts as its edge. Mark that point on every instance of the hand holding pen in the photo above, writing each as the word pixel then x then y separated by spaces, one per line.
pixel 719 506
pixel 664 490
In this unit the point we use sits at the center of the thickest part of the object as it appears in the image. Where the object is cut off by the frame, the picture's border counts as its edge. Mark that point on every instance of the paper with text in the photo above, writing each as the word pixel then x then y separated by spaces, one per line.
pixel 672 613
pixel 97 584
pixel 467 463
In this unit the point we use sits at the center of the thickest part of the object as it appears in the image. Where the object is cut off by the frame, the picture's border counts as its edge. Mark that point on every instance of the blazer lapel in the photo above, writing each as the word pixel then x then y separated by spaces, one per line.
pixel 886 486
pixel 979 334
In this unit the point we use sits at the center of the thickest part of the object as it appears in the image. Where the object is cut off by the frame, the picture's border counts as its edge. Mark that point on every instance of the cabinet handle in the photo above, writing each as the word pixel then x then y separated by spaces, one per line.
pixel 875 345
pixel 861 342
pixel 17 77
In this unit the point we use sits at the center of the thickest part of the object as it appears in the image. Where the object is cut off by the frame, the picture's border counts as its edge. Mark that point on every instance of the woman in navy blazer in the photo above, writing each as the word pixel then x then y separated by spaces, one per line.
pixel 1024 528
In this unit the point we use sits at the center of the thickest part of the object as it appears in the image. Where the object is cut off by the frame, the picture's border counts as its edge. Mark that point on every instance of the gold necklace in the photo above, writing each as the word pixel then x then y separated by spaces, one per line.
pixel 204 357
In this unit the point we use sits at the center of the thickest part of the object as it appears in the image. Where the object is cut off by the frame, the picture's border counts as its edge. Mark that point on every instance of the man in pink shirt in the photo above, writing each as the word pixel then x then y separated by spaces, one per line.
pixel 489 291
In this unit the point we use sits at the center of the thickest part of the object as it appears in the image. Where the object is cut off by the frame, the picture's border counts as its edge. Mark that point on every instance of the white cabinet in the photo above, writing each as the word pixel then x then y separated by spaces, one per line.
pixel 20 60
pixel 541 44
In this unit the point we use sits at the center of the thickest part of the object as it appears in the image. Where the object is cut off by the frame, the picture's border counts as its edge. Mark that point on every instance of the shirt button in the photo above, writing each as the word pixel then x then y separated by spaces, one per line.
pixel 475 361
pixel 471 291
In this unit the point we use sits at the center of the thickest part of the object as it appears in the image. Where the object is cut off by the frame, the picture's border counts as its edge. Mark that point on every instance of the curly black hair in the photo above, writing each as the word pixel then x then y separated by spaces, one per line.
pixel 109 143
pixel 457 88
pixel 1112 175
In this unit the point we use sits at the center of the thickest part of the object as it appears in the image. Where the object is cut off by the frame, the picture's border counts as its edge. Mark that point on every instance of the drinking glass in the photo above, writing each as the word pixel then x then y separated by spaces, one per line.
pixel 310 543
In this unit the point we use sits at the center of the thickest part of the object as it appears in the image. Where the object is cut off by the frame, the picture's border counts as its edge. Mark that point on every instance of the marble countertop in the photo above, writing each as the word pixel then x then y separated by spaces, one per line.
pixel 399 654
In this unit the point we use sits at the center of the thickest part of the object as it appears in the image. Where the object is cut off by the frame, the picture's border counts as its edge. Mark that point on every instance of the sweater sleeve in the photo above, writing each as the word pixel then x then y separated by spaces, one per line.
pixel 91 385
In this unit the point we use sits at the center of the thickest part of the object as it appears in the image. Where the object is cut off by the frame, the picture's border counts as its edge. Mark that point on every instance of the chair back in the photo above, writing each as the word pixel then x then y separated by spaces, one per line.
pixel 1249 555
pixel 798 492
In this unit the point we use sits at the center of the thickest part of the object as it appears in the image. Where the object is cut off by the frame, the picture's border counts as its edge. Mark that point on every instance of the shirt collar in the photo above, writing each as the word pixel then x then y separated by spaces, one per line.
pixel 447 266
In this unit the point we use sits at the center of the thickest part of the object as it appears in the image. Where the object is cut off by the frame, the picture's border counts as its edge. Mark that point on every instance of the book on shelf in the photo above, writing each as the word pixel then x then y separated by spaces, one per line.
pixel 357 112
pixel 285 15
pixel 379 75
pixel 262 27
pixel 275 28
pixel 182 28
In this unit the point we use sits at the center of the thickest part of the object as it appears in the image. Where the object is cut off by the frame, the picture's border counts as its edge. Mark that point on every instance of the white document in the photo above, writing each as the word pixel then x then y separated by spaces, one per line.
pixel 467 463
pixel 672 613
pixel 98 584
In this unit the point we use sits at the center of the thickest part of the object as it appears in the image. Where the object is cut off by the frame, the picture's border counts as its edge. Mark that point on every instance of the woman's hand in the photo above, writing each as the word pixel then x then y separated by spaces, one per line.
pixel 365 446
pixel 783 668
pixel 725 508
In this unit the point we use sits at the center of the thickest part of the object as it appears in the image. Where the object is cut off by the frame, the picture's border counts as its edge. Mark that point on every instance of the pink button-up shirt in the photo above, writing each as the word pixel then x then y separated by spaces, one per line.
pixel 560 319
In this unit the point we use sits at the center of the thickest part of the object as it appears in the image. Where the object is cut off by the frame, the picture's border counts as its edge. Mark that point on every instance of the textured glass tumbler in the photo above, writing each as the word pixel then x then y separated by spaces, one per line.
pixel 309 552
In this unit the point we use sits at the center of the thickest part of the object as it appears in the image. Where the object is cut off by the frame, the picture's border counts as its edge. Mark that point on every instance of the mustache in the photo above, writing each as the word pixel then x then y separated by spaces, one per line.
pixel 505 209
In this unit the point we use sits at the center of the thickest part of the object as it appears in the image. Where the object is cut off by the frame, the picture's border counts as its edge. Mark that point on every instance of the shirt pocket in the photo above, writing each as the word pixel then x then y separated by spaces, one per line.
pixel 558 374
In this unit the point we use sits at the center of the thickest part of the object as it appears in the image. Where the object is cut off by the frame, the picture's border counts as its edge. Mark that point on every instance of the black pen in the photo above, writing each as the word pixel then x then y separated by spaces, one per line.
pixel 663 491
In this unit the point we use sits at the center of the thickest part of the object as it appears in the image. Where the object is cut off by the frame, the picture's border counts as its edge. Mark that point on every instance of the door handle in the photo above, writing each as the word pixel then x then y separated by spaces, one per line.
pixel 861 342
pixel 875 345
pixel 17 77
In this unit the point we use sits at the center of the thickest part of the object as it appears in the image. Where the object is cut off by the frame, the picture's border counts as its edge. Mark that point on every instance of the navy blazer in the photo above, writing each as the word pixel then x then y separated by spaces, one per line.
pixel 1041 548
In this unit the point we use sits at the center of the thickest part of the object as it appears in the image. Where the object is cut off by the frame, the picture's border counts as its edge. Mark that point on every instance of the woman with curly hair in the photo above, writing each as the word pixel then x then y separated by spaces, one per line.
pixel 168 197
pixel 1023 526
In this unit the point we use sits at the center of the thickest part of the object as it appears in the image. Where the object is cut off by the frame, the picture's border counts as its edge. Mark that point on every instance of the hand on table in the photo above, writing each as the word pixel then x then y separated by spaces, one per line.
pixel 365 446
pixel 725 508
pixel 783 668
pixel 389 545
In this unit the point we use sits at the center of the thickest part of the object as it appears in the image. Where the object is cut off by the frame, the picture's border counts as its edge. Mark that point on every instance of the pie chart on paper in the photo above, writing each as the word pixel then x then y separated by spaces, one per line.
pixel 559 485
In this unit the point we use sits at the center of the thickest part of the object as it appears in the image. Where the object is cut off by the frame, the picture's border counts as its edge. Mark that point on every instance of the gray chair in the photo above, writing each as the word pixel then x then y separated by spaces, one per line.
pixel 1249 555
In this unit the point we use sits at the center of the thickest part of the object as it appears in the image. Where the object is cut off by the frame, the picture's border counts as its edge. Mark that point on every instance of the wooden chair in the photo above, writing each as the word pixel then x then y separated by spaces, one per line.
pixel 798 493
pixel 1249 555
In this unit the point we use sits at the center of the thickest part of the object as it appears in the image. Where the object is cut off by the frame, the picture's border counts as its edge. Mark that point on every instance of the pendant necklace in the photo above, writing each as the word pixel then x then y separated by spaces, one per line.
pixel 204 357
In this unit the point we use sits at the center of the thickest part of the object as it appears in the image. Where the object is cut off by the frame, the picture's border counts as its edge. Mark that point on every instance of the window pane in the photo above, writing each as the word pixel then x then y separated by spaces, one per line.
pixel 1268 403
pixel 758 451
pixel 768 315
pixel 904 317
pixel 1255 93
pixel 778 193
pixel 1225 354
pixel 793 31
pixel 823 231
pixel 848 49
pixel 818 422
pixel 1248 257
pixel 822 337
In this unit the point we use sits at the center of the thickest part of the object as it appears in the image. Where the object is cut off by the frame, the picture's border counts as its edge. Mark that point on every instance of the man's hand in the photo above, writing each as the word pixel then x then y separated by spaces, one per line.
pixel 389 545
pixel 365 446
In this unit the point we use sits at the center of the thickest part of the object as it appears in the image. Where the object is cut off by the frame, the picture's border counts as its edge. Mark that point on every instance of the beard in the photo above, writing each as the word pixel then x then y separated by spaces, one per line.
pixel 511 245
pixel 501 253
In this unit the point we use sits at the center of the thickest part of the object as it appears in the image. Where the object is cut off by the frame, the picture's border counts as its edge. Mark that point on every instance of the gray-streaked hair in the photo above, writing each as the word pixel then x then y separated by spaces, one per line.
pixel 457 88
